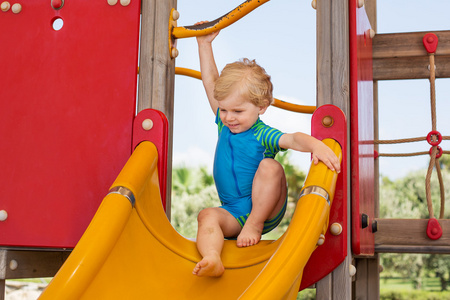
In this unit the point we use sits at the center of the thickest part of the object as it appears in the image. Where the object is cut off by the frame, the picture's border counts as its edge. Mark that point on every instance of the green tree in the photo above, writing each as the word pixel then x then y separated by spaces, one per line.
pixel 206 178
pixel 439 266
pixel 444 161
pixel 405 198
pixel 190 180
pixel 185 209
pixel 294 176
pixel 192 190
pixel 182 180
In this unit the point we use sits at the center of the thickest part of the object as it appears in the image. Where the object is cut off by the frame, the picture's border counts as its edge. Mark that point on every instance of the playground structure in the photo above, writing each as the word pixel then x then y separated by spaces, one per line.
pixel 80 160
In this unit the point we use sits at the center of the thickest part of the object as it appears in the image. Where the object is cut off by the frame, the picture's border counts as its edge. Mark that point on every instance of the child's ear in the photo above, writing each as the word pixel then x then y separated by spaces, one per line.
pixel 263 108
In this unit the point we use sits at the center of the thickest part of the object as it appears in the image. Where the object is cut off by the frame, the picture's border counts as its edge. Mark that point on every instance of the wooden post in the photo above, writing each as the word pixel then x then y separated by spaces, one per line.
pixel 333 80
pixel 2 289
pixel 367 280
pixel 157 69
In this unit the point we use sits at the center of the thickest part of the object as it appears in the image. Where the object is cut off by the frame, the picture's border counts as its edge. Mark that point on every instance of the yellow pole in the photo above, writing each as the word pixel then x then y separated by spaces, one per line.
pixel 218 24
pixel 306 109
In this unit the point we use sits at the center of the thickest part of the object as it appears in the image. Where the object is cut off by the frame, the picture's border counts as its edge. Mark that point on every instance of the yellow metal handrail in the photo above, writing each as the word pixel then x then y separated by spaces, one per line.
pixel 306 109
pixel 218 24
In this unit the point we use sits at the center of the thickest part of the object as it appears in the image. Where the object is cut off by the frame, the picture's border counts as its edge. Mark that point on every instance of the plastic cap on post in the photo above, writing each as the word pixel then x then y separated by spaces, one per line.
pixel 430 42
pixel 175 15
pixel 434 229
pixel 5 6
pixel 57 4
pixel 16 8
pixel 336 229
pixel 147 124
pixel 3 215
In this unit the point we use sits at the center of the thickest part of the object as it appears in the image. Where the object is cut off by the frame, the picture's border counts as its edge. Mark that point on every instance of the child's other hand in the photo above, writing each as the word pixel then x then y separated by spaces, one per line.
pixel 323 153
pixel 206 38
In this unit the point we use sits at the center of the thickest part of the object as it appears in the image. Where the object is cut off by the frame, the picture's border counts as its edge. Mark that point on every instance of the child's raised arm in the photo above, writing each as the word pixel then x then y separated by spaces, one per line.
pixel 208 66
pixel 306 143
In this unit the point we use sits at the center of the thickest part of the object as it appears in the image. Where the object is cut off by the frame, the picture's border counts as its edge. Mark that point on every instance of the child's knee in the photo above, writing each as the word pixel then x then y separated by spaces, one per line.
pixel 206 215
pixel 271 168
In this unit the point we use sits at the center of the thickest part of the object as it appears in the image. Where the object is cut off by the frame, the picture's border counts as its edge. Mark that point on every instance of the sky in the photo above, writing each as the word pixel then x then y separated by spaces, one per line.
pixel 281 36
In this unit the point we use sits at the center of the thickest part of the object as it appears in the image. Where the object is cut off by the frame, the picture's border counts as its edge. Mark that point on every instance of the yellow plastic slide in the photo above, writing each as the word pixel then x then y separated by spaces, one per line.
pixel 133 252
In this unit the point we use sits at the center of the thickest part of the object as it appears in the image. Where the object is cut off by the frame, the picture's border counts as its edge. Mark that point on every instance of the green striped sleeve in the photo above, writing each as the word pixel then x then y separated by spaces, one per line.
pixel 219 121
pixel 269 138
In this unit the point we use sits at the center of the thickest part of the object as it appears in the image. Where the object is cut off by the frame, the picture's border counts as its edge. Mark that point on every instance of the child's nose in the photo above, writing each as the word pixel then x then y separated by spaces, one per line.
pixel 229 117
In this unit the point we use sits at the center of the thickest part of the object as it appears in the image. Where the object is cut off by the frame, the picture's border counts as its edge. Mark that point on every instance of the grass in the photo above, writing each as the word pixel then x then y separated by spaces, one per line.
pixel 45 280
pixel 400 289
pixel 396 284
pixel 406 284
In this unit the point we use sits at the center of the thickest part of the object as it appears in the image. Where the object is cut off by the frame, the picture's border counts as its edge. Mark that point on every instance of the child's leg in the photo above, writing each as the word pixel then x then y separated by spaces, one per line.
pixel 213 225
pixel 268 197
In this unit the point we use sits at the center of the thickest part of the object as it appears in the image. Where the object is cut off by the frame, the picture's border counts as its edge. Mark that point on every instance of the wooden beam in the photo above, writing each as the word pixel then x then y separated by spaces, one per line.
pixel 403 56
pixel 409 68
pixel 16 264
pixel 408 44
pixel 409 236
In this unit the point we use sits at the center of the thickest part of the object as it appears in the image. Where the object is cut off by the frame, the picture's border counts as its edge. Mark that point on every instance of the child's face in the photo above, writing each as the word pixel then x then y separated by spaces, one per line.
pixel 238 114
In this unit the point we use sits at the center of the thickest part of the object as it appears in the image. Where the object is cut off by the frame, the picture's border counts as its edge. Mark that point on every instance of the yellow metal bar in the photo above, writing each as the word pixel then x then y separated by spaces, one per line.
pixel 218 24
pixel 188 72
pixel 306 109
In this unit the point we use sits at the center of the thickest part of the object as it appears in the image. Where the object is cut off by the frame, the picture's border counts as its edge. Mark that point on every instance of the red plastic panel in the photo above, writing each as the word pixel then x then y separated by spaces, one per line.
pixel 362 147
pixel 67 99
pixel 152 125
pixel 333 252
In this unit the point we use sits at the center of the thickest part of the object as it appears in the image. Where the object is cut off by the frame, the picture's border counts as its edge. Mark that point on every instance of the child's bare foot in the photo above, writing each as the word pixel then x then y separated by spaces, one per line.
pixel 250 235
pixel 210 266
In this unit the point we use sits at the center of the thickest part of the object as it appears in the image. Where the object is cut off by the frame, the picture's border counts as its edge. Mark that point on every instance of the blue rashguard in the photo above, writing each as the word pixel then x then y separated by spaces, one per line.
pixel 236 161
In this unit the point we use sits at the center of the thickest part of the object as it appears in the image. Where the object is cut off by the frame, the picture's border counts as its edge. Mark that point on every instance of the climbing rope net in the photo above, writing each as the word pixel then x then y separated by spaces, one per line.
pixel 434 137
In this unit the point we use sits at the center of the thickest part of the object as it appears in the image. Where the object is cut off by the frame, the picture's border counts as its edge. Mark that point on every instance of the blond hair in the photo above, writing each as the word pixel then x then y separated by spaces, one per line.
pixel 249 78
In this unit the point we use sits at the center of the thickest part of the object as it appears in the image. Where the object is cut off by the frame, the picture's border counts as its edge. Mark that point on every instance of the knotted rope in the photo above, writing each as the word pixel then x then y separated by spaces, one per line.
pixel 433 138
pixel 433 160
